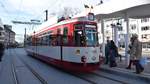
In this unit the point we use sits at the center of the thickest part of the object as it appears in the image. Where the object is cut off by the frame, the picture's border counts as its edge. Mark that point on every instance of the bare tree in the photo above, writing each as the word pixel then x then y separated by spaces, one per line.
pixel 69 12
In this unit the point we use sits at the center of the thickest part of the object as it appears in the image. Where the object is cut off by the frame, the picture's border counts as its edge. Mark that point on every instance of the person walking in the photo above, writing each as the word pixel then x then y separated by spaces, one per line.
pixel 131 56
pixel 113 54
pixel 136 53
pixel 107 49
pixel 1 51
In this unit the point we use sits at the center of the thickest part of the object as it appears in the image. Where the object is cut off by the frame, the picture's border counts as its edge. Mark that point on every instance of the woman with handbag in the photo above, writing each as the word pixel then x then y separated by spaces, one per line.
pixel 136 53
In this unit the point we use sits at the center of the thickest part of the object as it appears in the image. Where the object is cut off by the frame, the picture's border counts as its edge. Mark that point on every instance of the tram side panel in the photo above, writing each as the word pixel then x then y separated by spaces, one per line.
pixel 74 54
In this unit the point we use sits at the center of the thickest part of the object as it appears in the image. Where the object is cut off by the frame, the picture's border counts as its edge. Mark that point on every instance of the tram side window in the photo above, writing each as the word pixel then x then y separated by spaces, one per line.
pixel 29 42
pixel 52 40
pixel 45 40
pixel 38 42
pixel 59 42
pixel 65 36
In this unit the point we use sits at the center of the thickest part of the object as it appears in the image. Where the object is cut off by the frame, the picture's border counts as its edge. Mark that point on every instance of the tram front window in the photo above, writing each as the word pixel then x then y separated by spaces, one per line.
pixel 79 38
pixel 91 37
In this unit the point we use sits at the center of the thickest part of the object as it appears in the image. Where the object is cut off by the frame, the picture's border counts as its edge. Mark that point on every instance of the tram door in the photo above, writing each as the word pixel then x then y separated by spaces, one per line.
pixel 64 41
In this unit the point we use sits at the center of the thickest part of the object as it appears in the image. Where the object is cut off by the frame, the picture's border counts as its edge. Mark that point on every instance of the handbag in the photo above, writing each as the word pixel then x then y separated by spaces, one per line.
pixel 143 61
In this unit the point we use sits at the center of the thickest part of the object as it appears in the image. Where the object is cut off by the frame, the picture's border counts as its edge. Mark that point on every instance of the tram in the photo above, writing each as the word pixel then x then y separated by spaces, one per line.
pixel 70 44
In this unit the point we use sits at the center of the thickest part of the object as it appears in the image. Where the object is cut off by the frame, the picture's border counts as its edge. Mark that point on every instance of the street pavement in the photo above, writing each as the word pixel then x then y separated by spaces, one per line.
pixel 52 75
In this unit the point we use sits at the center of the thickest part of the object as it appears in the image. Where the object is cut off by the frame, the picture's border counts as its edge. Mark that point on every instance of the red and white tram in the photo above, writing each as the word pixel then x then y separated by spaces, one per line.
pixel 70 44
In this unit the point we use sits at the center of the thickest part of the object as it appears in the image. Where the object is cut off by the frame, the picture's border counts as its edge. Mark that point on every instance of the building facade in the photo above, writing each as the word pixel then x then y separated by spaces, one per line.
pixel 9 36
pixel 136 26
pixel 2 32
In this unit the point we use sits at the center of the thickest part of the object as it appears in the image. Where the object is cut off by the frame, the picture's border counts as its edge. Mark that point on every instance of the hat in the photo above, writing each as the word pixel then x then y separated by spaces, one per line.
pixel 134 36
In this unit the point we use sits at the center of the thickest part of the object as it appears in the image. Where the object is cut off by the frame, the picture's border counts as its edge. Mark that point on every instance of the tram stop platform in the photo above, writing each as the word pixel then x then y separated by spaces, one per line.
pixel 129 73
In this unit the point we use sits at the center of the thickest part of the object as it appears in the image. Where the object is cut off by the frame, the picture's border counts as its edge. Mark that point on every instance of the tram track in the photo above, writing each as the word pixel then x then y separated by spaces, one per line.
pixel 110 78
pixel 79 76
pixel 98 75
pixel 14 73
pixel 42 80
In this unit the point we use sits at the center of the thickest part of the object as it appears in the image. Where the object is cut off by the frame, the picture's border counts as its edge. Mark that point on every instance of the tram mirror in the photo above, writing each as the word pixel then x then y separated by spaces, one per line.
pixel 91 16
pixel 80 32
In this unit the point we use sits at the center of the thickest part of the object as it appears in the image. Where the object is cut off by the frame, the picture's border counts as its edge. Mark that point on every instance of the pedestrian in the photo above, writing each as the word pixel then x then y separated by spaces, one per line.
pixel 1 51
pixel 107 49
pixel 131 56
pixel 113 53
pixel 136 53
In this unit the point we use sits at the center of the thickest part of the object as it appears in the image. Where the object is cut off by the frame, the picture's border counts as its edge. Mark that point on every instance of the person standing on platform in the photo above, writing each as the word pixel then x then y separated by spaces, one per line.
pixel 131 56
pixel 136 53
pixel 107 49
pixel 113 53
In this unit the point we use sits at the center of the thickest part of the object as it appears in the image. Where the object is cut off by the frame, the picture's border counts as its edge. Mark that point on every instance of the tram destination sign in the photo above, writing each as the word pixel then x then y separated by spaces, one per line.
pixel 90 26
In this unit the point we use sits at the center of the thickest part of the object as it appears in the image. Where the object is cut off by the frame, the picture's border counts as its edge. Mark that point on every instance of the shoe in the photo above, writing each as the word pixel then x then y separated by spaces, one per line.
pixel 128 67
pixel 142 70
pixel 137 72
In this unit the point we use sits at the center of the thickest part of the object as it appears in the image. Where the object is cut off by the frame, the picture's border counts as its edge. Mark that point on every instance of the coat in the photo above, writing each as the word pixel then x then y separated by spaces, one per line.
pixel 107 49
pixel 131 56
pixel 136 50
pixel 1 49
pixel 113 52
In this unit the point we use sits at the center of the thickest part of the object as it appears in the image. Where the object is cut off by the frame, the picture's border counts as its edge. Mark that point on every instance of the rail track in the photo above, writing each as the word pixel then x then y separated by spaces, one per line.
pixel 42 80
pixel 84 77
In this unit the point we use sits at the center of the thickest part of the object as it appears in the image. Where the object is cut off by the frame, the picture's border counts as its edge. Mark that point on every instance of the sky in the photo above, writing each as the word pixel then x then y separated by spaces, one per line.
pixel 25 10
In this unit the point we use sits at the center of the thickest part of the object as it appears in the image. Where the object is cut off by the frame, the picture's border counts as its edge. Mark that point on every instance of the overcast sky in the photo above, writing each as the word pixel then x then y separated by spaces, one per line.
pixel 25 10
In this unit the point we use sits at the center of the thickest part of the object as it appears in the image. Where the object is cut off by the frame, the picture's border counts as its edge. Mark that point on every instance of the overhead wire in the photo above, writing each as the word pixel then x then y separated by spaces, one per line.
pixel 37 17
pixel 48 8
pixel 5 10
pixel 19 9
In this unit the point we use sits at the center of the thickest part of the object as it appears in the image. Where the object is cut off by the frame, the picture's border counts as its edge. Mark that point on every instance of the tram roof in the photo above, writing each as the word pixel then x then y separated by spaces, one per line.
pixel 51 24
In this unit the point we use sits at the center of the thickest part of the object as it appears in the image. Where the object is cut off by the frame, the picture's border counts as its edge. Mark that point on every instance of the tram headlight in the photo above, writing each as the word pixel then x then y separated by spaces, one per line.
pixel 93 58
pixel 83 59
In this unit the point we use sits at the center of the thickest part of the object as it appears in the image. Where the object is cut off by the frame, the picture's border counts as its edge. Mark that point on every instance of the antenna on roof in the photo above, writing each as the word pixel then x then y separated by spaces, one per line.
pixel 101 2
pixel 46 12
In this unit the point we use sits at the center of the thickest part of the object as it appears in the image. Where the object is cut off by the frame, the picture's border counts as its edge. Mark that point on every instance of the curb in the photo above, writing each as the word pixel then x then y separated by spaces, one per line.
pixel 126 73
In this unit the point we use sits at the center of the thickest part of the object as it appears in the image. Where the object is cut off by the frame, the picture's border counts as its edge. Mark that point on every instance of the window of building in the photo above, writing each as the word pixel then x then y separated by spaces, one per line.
pixel 120 28
pixel 144 20
pixel 133 26
pixel 144 28
pixel 144 36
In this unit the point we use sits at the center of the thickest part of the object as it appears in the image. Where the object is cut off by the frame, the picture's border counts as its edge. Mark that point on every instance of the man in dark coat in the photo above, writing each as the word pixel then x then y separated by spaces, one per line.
pixel 113 52
pixel 107 49
pixel 1 51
